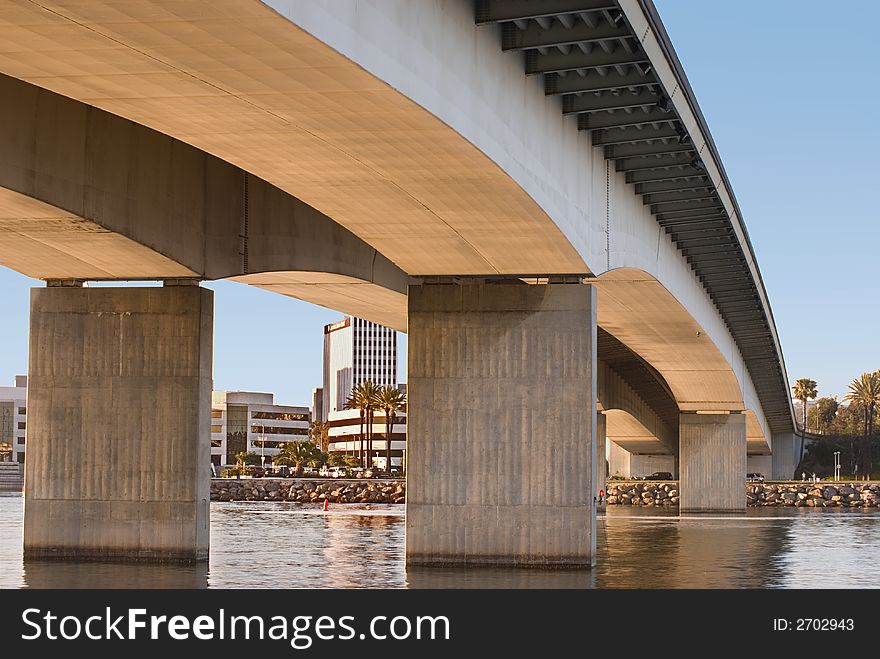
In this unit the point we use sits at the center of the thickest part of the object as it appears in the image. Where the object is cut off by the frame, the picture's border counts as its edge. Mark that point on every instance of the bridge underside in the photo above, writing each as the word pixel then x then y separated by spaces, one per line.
pixel 160 140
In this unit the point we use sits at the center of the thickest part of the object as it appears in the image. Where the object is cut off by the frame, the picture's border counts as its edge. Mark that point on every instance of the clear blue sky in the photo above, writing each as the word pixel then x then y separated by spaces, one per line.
pixel 790 91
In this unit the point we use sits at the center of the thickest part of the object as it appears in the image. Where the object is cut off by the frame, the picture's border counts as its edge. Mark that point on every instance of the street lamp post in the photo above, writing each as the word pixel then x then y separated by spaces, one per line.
pixel 837 466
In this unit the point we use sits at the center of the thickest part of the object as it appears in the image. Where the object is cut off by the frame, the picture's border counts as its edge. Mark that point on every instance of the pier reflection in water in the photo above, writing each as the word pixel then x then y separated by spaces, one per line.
pixel 284 545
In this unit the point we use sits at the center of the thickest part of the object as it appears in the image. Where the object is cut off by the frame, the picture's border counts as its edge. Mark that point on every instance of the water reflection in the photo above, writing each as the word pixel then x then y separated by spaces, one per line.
pixel 667 551
pixel 498 578
pixel 55 574
pixel 289 545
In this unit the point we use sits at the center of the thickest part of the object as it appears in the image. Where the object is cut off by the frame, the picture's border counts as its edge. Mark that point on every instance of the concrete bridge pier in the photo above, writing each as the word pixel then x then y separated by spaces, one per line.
pixel 712 462
pixel 119 407
pixel 501 421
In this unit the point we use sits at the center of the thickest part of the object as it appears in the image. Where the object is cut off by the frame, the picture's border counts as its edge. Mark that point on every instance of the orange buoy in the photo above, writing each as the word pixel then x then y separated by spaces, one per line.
pixel 326 505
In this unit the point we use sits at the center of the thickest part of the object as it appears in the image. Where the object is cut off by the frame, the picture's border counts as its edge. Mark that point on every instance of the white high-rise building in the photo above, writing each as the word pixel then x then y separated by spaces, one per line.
pixel 356 350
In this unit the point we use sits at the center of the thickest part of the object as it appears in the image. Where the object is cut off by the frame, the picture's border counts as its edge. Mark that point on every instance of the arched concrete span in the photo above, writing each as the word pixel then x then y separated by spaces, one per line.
pixel 88 195
pixel 410 127
pixel 641 313
pixel 630 420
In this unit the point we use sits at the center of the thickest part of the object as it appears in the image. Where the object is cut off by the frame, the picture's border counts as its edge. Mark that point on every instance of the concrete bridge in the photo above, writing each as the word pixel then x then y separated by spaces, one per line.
pixel 529 189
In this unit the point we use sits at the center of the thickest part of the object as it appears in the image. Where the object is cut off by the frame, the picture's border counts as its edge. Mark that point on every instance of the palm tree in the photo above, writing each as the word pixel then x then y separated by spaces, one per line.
pixel 804 389
pixel 297 453
pixel 391 400
pixel 363 398
pixel 319 433
pixel 865 391
pixel 371 394
pixel 355 402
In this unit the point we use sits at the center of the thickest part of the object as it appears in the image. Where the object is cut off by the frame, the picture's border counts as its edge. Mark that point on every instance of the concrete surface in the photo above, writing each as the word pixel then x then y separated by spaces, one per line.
pixel 712 462
pixel 119 412
pixel 501 425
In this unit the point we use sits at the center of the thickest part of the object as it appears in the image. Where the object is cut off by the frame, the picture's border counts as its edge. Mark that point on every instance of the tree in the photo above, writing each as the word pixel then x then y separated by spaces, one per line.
pixel 865 391
pixel 391 400
pixel 319 459
pixel 5 451
pixel 297 453
pixel 342 460
pixel 363 398
pixel 244 459
pixel 319 433
pixel 804 389
pixel 823 413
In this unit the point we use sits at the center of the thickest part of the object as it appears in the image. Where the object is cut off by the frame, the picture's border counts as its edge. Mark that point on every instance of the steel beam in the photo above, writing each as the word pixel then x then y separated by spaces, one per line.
pixel 633 134
pixel 676 185
pixel 535 36
pixel 683 206
pixel 593 82
pixel 616 151
pixel 555 61
pixel 624 118
pixel 497 11
pixel 572 104
pixel 652 165
pixel 706 192
pixel 673 172
pixel 716 212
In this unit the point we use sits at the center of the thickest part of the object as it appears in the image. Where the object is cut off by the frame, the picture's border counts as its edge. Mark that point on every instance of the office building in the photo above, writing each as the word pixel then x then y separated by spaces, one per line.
pixel 318 403
pixel 251 422
pixel 356 350
pixel 344 427
pixel 13 420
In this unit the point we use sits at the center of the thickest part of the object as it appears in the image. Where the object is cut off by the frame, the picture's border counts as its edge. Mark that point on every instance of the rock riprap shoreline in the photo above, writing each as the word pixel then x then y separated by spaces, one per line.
pixel 308 491
pixel 814 495
pixel 810 495
pixel 642 494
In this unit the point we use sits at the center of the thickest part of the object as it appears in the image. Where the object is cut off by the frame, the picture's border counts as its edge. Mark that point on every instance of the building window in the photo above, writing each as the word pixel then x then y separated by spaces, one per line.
pixel 216 443
pixel 272 430
pixel 21 425
pixel 236 429
pixel 216 414
pixel 280 416
pixel 21 458
pixel 19 441
pixel 216 428
pixel 22 410
pixel 268 444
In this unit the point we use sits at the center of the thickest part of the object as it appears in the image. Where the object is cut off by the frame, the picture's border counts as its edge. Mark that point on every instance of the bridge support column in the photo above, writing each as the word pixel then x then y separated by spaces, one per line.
pixel 501 422
pixel 601 469
pixel 712 462
pixel 119 410
pixel 786 450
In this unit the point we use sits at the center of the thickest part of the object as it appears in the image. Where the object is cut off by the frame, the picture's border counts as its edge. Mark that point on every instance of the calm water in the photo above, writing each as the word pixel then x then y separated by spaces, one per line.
pixel 288 545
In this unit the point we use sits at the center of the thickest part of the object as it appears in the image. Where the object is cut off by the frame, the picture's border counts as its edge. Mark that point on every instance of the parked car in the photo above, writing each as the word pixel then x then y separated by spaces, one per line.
pixel 659 476
pixel 755 478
